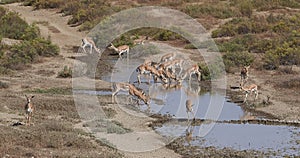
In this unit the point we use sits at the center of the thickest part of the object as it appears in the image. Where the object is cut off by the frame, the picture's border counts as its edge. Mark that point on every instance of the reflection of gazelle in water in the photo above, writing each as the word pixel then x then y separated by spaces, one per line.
pixel 189 108
pixel 88 42
pixel 247 116
pixel 189 133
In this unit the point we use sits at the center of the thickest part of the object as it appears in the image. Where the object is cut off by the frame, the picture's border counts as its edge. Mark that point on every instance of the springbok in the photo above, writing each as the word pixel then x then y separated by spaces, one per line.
pixel 140 40
pixel 171 65
pixel 248 90
pixel 189 108
pixel 244 74
pixel 29 108
pixel 132 90
pixel 148 69
pixel 167 57
pixel 88 42
pixel 120 50
pixel 190 71
pixel 140 94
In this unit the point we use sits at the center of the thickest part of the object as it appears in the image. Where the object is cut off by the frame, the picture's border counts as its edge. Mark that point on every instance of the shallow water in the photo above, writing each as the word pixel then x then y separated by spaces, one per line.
pixel 172 100
pixel 281 139
pixel 284 139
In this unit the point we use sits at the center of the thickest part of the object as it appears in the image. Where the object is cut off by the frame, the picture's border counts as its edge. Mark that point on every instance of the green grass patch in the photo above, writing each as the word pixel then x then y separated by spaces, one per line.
pixel 54 90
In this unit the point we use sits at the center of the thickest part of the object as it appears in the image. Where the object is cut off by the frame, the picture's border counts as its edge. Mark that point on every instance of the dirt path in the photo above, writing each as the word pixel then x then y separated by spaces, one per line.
pixel 55 25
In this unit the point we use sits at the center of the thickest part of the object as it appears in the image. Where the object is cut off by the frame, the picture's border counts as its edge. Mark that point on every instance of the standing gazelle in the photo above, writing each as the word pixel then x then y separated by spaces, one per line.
pixel 29 108
pixel 120 50
pixel 244 74
pixel 249 89
pixel 190 71
pixel 89 42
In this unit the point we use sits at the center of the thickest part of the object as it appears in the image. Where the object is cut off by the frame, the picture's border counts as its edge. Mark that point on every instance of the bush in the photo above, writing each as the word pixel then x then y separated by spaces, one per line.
pixel 65 73
pixel 12 26
pixel 246 8
pixel 233 59
pixel 211 70
pixel 220 10
pixel 3 85
pixel 285 54
pixel 45 47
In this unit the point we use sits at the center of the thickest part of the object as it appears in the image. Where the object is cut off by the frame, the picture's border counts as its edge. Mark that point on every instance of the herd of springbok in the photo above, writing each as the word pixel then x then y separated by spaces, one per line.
pixel 163 70
pixel 168 71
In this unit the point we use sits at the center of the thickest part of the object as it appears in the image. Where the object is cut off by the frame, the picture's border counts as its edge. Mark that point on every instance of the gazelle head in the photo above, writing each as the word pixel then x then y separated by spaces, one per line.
pixel 29 98
pixel 147 99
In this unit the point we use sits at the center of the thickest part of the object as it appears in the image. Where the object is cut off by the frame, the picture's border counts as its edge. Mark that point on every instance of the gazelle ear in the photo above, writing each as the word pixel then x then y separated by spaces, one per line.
pixel 26 96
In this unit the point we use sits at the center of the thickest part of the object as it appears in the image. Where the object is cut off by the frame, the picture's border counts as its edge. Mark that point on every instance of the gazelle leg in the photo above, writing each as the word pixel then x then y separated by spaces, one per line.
pixel 139 78
pixel 199 76
pixel 246 97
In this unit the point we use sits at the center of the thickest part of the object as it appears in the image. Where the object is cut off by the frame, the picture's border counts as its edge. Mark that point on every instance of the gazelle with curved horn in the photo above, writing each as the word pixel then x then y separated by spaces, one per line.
pixel 88 42
pixel 120 50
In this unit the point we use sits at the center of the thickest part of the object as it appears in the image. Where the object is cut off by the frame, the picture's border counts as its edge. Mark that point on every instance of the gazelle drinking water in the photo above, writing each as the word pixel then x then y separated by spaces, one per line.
pixel 29 108
pixel 248 90
pixel 171 65
pixel 120 50
pixel 88 42
pixel 132 90
pixel 190 71
pixel 148 69
pixel 167 57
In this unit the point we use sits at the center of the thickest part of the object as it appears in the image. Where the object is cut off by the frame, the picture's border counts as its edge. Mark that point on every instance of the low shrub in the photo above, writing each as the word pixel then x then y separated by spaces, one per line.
pixel 220 10
pixel 3 85
pixel 233 59
pixel 65 73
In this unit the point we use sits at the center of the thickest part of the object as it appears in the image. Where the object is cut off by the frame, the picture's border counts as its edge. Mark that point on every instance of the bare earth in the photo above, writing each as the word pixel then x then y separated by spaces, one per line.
pixel 43 76
pixel 56 115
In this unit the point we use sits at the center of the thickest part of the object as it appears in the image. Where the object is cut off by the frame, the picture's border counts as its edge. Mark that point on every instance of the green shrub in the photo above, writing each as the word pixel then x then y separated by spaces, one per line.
pixel 65 73
pixel 284 54
pixel 246 8
pixel 45 47
pixel 31 32
pixel 233 59
pixel 211 70
pixel 43 4
pixel 12 26
pixel 238 26
pixel 3 85
pixel 220 10
pixel 9 1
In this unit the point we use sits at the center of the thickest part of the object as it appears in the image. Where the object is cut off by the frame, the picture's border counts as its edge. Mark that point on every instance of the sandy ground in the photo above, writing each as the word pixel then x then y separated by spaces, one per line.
pixel 43 75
